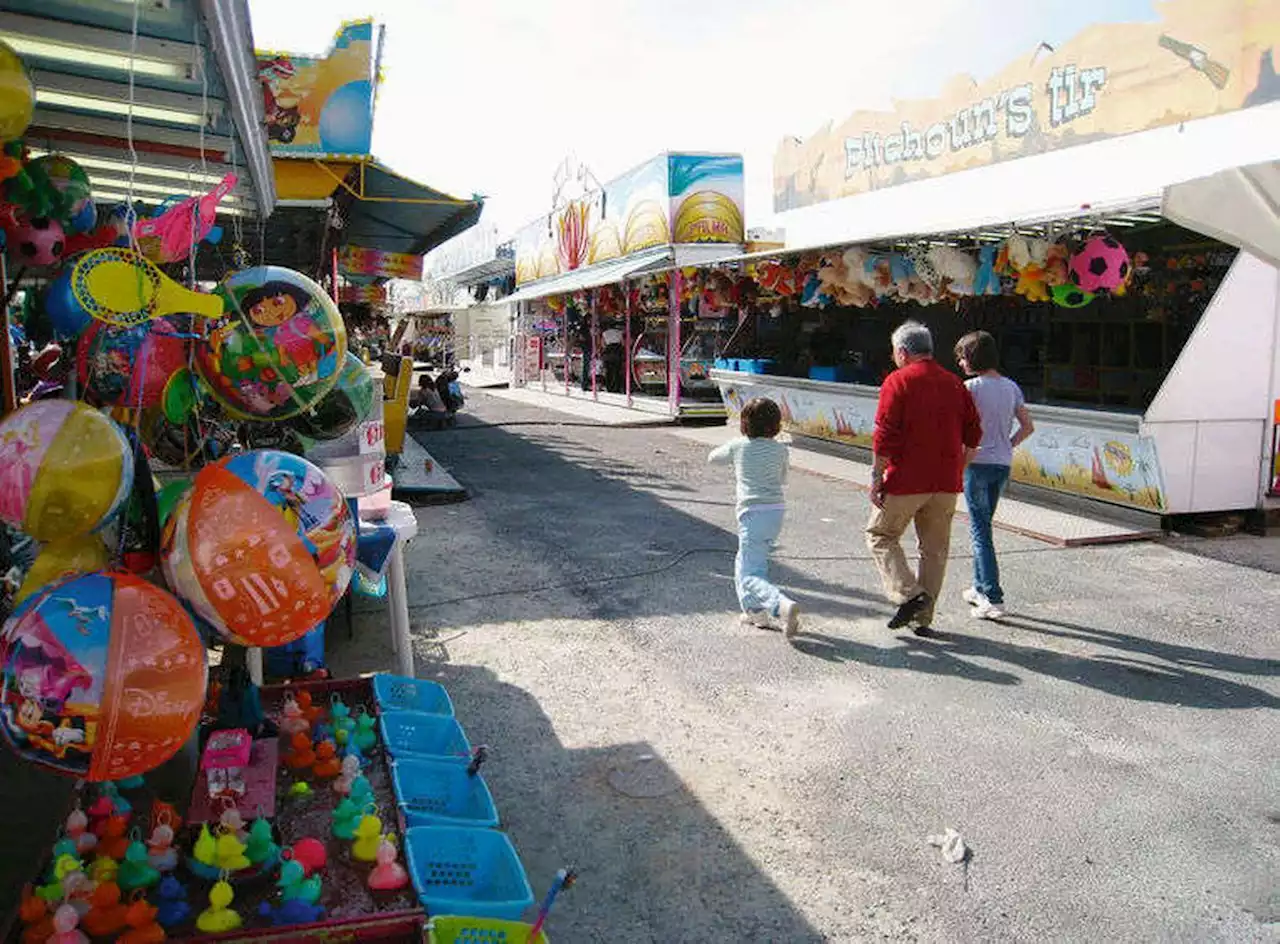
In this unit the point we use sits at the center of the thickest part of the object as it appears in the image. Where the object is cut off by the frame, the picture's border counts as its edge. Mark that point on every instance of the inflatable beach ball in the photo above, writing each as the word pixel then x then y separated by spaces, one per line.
pixel 278 350
pixel 102 676
pixel 348 403
pixel 69 184
pixel 65 469
pixel 129 366
pixel 17 95
pixel 261 547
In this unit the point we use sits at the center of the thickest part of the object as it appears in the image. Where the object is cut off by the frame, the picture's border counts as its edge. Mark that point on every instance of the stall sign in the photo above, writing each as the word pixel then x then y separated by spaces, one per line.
pixel 321 106
pixel 1192 60
pixel 373 438
pixel 363 294
pixel 359 260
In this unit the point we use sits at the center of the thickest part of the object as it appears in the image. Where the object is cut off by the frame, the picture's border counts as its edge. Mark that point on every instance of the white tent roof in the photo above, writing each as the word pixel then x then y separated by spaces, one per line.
pixel 1120 174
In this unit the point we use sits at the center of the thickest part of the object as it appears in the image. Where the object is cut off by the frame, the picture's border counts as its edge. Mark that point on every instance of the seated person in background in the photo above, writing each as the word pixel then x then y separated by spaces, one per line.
pixel 425 397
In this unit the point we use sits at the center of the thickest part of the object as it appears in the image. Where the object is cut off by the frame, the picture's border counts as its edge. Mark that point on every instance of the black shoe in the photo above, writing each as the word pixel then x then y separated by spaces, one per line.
pixel 909 610
pixel 926 632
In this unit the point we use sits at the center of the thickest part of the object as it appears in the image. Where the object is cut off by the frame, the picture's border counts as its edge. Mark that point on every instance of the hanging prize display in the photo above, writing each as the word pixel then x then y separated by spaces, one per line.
pixel 261 547
pixel 103 677
pixel 130 366
pixel 278 351
pixel 64 469
pixel 348 403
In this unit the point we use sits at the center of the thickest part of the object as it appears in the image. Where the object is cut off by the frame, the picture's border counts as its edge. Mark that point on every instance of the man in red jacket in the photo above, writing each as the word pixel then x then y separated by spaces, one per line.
pixel 927 430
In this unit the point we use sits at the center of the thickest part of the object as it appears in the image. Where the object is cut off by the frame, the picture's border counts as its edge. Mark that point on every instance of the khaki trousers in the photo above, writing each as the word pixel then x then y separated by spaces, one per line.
pixel 932 514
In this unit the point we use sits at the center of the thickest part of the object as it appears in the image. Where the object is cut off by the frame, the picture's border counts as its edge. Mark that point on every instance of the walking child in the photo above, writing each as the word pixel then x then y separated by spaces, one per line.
pixel 1000 404
pixel 760 467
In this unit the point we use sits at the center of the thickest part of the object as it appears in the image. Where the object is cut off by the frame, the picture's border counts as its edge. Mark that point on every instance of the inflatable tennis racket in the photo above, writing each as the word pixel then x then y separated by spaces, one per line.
pixel 120 287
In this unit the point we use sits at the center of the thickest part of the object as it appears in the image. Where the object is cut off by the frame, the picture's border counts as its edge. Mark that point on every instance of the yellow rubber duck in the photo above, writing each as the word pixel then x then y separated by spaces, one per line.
pixel 205 849
pixel 103 870
pixel 230 853
pixel 367 836
pixel 218 917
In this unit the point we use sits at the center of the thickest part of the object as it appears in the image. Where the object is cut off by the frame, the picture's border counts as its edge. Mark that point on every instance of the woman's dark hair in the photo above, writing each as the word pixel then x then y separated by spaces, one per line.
pixel 979 349
pixel 760 419
pixel 301 297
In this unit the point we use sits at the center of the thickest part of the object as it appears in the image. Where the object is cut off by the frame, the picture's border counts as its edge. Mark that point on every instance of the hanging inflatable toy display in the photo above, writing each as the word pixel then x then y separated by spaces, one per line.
pixel 17 95
pixel 103 677
pixel 278 351
pixel 64 469
pixel 261 547
pixel 130 366
pixel 348 403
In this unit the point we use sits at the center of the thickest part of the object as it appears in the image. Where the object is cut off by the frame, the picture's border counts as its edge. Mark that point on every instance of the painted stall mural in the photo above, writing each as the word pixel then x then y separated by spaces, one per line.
pixel 1192 60
pixel 321 107
pixel 674 198
pixel 1116 467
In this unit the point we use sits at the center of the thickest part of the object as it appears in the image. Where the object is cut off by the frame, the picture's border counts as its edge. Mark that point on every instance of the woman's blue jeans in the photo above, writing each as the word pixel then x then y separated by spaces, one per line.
pixel 982 487
pixel 758 529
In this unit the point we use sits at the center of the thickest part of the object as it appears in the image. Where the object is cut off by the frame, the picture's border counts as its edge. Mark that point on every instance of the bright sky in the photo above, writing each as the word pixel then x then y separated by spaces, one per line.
pixel 488 96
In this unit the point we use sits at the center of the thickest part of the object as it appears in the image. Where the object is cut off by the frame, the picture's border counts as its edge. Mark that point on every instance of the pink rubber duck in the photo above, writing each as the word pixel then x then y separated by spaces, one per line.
pixel 66 928
pixel 78 831
pixel 293 720
pixel 388 875
pixel 160 851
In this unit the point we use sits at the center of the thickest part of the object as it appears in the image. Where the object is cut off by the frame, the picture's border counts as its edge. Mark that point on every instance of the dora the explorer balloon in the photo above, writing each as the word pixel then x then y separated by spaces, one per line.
pixel 278 349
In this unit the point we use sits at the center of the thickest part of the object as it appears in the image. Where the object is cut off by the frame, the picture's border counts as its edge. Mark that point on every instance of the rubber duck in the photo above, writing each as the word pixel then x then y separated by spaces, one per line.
pixel 131 783
pixel 136 870
pixel 106 916
pixel 311 712
pixel 77 829
pixel 112 841
pixel 300 755
pixel 350 770
pixel 292 720
pixel 205 849
pixel 111 791
pixel 261 847
pixel 322 732
pixel 311 853
pixel 388 875
pixel 63 866
pixel 293 883
pixel 342 736
pixel 231 821
pixel 366 736
pixel 36 919
pixel 100 810
pixel 173 909
pixel 300 790
pixel 160 851
pixel 65 846
pixel 327 763
pixel 345 816
pixel 361 790
pixel 143 926
pixel 230 855
pixel 218 917
pixel 77 889
pixel 293 911
pixel 340 714
pixel 103 870
pixel 367 836
pixel 66 927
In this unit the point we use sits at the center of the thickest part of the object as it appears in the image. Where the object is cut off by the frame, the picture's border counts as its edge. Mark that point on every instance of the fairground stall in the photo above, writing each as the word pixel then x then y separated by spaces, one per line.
pixel 602 314
pixel 143 523
pixel 1124 257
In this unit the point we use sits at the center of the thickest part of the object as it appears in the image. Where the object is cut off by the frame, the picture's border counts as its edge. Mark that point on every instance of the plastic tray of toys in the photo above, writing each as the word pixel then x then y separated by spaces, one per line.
pixel 459 868
pixel 441 793
pixel 416 734
pixel 453 929
pixel 397 693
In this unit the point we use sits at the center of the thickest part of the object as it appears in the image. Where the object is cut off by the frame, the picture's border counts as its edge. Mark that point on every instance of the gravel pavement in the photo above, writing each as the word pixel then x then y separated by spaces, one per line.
pixel 1108 753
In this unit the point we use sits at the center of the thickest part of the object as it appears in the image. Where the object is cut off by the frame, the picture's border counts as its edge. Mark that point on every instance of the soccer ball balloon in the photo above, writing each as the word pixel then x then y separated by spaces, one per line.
pixel 1101 265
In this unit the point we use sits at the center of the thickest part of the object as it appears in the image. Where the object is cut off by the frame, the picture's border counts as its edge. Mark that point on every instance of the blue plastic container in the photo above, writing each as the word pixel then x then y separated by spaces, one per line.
pixel 761 365
pixel 397 693
pixel 418 734
pixel 439 793
pixel 838 374
pixel 457 870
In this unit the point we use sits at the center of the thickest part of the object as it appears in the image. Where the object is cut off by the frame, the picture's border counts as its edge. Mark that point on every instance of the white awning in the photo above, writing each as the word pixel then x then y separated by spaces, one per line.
pixel 1240 206
pixel 1126 173
pixel 604 273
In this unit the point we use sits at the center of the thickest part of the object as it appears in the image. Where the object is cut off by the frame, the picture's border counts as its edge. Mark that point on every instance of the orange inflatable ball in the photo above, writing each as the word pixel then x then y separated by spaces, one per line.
pixel 261 547
pixel 102 677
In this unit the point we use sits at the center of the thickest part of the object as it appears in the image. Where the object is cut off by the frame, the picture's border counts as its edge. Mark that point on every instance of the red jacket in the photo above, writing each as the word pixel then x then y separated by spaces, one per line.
pixel 924 421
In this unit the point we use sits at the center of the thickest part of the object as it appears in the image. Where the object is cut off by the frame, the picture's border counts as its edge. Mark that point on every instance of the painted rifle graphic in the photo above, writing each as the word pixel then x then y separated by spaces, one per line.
pixel 1199 60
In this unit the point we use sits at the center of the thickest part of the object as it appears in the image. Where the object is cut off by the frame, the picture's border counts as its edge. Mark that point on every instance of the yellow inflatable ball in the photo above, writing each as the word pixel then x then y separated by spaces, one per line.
pixel 17 95
pixel 79 555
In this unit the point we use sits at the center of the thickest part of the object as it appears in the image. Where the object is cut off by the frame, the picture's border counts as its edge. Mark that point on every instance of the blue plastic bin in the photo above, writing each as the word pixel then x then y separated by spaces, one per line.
pixel 457 870
pixel 418 734
pixel 761 365
pixel 439 793
pixel 838 374
pixel 397 693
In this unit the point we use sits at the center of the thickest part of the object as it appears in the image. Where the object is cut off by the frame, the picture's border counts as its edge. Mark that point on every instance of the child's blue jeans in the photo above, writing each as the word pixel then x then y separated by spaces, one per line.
pixel 982 487
pixel 758 530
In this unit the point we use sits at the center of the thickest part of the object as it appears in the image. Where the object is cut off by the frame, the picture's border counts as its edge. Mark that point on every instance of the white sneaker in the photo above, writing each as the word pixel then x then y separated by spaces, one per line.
pixel 789 613
pixel 986 610
pixel 973 597
pixel 758 619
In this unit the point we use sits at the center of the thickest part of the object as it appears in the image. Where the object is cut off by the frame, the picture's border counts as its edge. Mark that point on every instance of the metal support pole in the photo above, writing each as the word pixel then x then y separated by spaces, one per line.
pixel 673 342
pixel 595 334
pixel 626 342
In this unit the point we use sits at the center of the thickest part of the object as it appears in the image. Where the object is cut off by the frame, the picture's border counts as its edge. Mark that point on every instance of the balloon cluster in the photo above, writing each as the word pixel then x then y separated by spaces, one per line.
pixel 102 673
